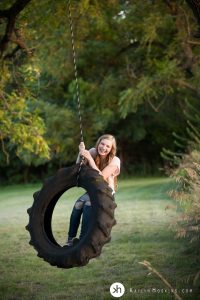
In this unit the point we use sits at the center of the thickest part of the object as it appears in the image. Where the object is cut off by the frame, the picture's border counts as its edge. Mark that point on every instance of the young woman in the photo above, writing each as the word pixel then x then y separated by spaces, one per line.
pixel 101 158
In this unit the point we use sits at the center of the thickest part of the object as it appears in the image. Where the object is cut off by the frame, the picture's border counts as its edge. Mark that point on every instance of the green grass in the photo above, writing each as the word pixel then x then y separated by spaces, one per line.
pixel 142 233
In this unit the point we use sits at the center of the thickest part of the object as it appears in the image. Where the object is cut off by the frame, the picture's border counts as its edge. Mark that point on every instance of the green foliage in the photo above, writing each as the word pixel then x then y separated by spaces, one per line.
pixel 187 193
pixel 135 62
pixel 157 86
pixel 21 127
pixel 187 176
pixel 60 126
pixel 190 138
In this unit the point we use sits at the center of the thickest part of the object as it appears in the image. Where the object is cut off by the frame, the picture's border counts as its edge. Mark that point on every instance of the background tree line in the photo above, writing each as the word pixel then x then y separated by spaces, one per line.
pixel 138 68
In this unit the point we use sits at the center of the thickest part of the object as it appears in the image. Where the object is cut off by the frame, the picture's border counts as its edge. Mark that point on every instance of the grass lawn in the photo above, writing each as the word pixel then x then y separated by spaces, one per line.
pixel 142 233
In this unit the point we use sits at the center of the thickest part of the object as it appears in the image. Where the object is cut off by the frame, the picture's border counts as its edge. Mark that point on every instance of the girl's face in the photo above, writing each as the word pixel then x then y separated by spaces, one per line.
pixel 104 147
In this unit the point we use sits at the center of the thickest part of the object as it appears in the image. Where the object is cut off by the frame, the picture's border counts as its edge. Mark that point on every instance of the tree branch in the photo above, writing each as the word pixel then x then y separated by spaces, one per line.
pixel 18 6
pixel 11 15
pixel 193 42
pixel 172 6
pixel 13 53
pixel 3 149
pixel 156 108
pixel 19 41
pixel 195 7
pixel 187 85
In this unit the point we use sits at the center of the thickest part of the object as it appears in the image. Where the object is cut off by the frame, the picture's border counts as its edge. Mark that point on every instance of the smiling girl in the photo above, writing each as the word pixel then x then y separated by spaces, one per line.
pixel 101 158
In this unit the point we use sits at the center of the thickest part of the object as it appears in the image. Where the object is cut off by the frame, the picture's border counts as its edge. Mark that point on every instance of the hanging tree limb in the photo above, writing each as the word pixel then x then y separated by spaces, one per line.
pixel 11 15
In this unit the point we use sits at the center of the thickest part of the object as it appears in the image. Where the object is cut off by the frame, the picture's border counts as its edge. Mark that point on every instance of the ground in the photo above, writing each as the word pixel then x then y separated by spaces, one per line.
pixel 144 213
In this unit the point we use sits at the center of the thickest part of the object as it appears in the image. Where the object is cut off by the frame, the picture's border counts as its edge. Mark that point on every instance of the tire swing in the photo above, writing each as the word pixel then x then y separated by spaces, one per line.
pixel 102 204
pixel 101 222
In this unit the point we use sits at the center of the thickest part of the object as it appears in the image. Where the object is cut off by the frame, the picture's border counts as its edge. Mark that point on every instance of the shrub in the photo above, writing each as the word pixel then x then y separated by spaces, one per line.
pixel 187 194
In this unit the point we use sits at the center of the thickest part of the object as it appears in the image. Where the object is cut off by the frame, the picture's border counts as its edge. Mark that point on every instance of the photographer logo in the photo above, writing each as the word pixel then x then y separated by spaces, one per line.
pixel 117 289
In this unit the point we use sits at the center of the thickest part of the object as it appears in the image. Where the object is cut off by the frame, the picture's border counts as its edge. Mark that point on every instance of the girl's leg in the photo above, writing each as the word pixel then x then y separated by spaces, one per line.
pixel 86 218
pixel 75 217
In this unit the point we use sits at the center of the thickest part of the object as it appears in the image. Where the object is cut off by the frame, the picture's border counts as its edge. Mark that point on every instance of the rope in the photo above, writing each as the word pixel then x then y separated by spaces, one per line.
pixel 75 71
pixel 77 86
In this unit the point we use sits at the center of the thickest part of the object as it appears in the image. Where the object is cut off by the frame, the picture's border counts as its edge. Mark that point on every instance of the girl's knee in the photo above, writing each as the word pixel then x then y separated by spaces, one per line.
pixel 79 205
pixel 88 203
pixel 84 198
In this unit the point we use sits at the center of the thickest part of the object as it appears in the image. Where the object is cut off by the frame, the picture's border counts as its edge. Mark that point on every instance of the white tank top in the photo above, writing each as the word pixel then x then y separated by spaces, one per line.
pixel 114 162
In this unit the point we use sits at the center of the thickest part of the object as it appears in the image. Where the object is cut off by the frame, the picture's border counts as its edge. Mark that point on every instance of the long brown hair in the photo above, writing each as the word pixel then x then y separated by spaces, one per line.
pixel 101 164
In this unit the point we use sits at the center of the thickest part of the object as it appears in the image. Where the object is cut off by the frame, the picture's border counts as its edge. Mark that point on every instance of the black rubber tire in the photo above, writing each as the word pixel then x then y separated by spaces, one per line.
pixel 101 223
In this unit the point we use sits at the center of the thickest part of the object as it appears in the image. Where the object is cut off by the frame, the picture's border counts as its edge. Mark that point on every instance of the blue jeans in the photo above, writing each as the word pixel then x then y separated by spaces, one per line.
pixel 82 208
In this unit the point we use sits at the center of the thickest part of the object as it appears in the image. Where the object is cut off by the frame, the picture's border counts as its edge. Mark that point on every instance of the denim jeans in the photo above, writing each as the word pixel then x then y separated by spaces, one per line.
pixel 82 208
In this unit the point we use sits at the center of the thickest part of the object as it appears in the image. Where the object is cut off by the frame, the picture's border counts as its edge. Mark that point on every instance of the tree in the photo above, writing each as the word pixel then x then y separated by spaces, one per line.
pixel 136 63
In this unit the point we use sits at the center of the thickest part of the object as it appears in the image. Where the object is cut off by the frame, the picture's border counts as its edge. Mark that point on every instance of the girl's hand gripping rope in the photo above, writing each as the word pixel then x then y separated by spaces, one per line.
pixel 81 148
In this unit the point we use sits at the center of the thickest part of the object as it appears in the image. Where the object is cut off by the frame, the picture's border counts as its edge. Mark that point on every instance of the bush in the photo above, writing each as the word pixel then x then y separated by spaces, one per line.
pixel 187 194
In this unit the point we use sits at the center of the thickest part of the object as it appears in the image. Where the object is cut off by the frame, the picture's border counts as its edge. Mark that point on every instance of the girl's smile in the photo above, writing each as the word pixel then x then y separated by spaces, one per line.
pixel 104 147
